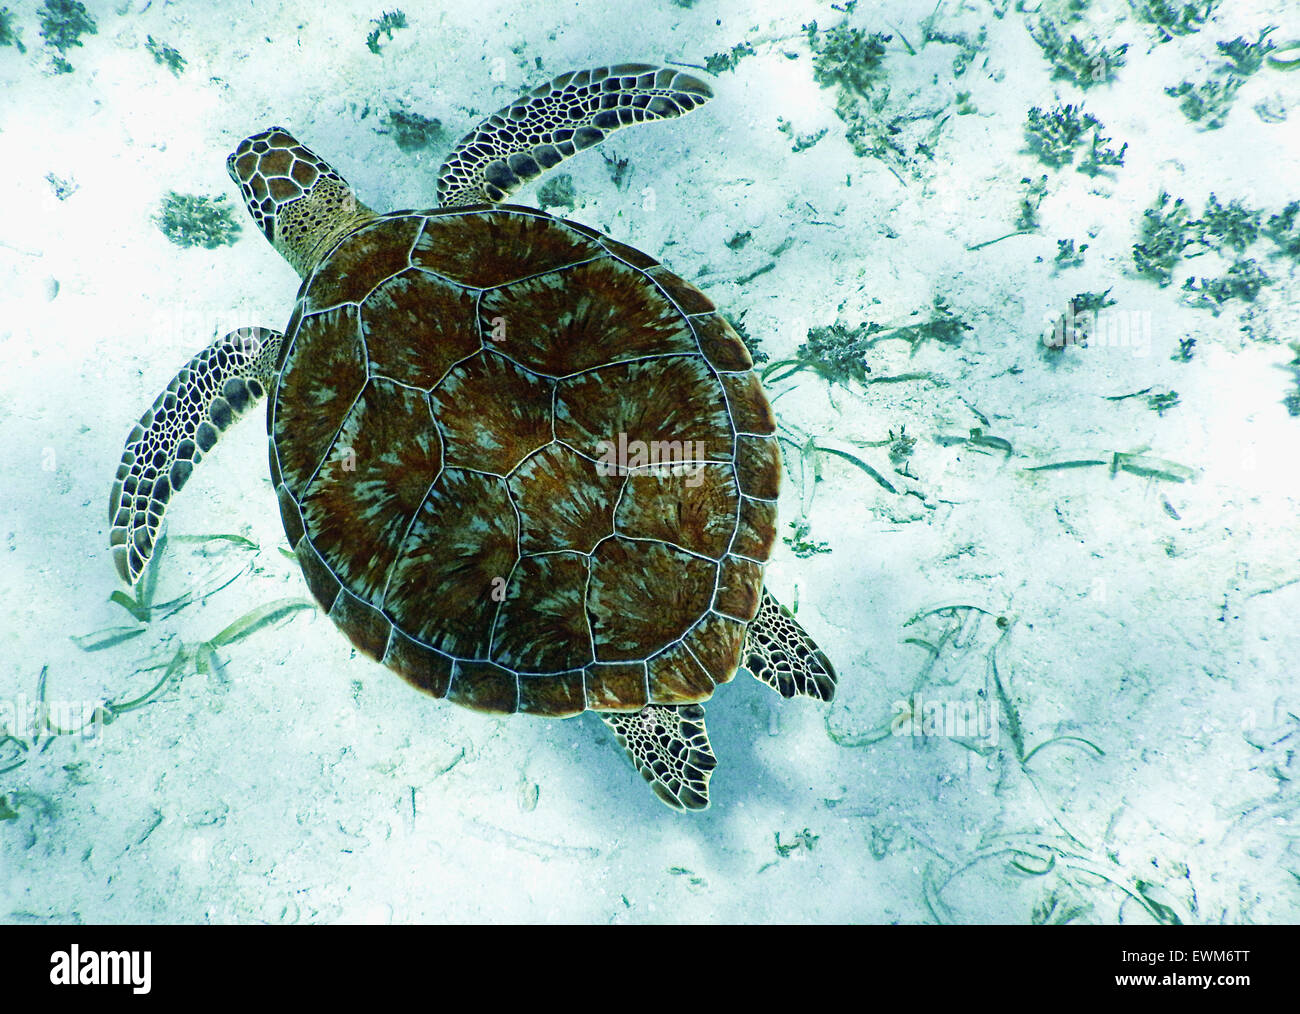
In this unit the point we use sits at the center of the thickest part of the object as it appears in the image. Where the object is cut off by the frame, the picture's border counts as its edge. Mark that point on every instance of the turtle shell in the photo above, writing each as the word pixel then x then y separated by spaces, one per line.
pixel 523 465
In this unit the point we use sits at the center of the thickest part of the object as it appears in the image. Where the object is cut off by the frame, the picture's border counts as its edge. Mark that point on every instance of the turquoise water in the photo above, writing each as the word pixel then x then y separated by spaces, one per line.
pixel 1036 503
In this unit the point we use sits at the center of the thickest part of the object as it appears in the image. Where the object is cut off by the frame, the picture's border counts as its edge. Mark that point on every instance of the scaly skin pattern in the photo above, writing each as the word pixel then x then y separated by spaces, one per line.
pixel 219 385
pixel 557 120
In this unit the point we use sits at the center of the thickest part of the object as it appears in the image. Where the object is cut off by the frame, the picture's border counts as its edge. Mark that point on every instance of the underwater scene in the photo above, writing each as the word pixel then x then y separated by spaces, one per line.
pixel 862 488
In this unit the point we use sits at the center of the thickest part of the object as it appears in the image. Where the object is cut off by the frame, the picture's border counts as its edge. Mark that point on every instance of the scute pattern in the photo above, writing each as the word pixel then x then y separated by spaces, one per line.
pixel 365 626
pixel 617 686
pixel 324 373
pixel 590 315
pixel 370 255
pixel 749 408
pixel 421 666
pixel 565 501
pixel 493 414
pixel 455 562
pixel 757 529
pixel 542 625
pixel 678 413
pixel 758 466
pixel 558 696
pixel 360 504
pixel 720 343
pixel 643 595
pixel 523 242
pixel 484 686
pixel 677 675
pixel 715 642
pixel 684 295
pixel 739 584
pixel 417 327
pixel 692 505
pixel 509 463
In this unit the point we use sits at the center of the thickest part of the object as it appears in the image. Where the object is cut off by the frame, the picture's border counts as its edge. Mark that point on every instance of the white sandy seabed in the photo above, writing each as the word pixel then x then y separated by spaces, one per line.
pixel 1148 621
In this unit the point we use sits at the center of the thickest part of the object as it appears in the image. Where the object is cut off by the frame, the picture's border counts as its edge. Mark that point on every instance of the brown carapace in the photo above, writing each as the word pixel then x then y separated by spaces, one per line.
pixel 522 464
pixel 541 477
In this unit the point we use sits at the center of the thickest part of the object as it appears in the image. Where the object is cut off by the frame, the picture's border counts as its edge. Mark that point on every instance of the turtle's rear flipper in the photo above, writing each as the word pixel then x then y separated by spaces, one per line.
pixel 214 389
pixel 780 653
pixel 556 121
pixel 670 748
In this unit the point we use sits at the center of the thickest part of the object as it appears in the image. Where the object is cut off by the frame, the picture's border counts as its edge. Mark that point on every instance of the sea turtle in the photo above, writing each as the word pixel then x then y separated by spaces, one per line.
pixel 520 463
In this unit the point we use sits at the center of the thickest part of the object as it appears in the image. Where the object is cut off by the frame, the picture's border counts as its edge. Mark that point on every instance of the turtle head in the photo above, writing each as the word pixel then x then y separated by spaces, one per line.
pixel 301 204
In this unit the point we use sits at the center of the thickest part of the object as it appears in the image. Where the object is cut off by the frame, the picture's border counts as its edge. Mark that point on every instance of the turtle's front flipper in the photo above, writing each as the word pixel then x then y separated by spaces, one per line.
pixel 214 389
pixel 780 653
pixel 556 121
pixel 670 748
